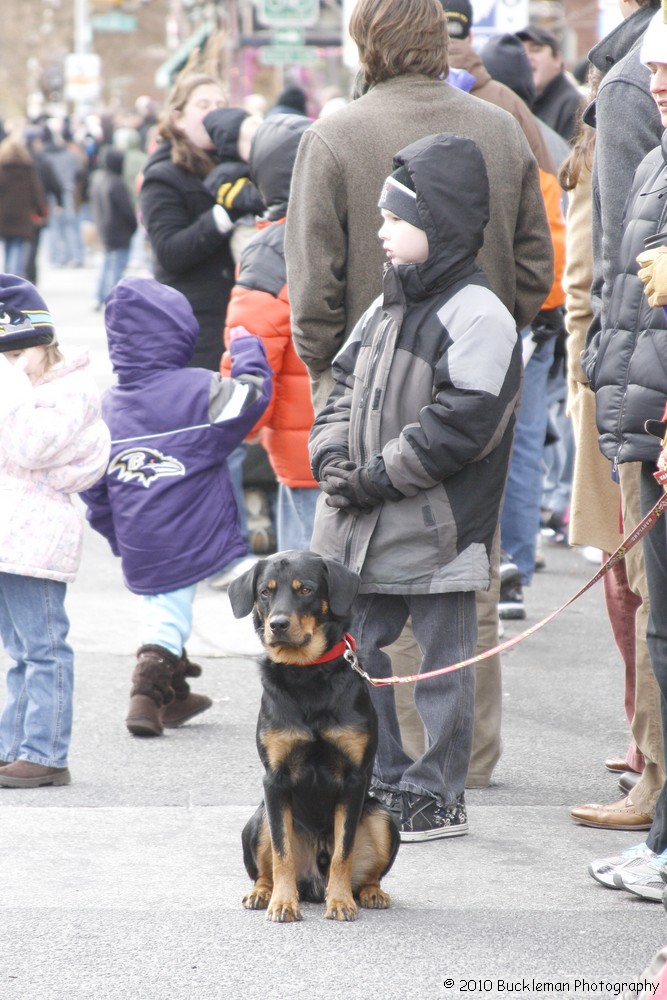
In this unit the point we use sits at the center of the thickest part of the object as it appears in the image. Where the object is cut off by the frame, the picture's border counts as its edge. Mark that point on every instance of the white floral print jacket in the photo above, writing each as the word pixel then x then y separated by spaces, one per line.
pixel 53 443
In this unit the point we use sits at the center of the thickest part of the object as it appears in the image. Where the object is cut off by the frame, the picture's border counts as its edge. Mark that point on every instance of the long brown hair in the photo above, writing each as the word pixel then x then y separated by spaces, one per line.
pixel 183 151
pixel 398 37
pixel 583 148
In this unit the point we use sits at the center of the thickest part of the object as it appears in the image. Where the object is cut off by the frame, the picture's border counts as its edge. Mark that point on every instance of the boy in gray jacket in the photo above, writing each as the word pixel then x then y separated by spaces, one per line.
pixel 412 451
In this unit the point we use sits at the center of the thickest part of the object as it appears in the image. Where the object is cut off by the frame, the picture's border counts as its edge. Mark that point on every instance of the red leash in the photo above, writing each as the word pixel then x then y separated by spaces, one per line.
pixel 628 543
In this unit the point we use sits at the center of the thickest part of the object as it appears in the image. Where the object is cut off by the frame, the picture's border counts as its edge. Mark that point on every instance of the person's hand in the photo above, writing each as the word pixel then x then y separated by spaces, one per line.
pixel 351 489
pixel 547 324
pixel 653 275
pixel 333 464
pixel 238 333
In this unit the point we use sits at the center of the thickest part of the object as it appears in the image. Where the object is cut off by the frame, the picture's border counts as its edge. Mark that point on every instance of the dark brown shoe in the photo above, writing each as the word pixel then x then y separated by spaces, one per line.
pixel 24 774
pixel 181 711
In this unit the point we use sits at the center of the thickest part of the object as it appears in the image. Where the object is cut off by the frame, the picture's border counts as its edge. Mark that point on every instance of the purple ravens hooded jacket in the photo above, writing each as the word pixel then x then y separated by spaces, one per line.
pixel 166 504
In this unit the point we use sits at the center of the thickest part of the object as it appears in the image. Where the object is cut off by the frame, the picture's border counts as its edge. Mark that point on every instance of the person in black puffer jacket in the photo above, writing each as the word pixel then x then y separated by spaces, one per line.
pixel 626 365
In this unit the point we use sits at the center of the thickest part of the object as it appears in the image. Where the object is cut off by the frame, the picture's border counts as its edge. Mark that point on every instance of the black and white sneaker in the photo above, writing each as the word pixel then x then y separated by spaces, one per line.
pixel 510 603
pixel 391 799
pixel 423 818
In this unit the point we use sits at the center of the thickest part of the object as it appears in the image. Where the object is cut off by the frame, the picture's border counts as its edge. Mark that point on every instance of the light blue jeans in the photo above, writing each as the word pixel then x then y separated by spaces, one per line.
pixel 520 517
pixel 558 457
pixel 16 252
pixel 36 721
pixel 114 263
pixel 168 619
pixel 445 627
pixel 64 229
pixel 296 516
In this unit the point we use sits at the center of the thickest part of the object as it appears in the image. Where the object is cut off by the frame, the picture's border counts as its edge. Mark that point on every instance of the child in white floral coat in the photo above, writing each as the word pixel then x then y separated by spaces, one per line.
pixel 53 443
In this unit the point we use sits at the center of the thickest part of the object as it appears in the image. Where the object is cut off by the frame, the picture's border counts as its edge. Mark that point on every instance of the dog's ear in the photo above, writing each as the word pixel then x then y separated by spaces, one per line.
pixel 241 591
pixel 343 587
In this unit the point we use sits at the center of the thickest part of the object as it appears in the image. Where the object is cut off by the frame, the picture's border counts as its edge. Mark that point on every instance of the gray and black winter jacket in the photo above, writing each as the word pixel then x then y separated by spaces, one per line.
pixel 425 394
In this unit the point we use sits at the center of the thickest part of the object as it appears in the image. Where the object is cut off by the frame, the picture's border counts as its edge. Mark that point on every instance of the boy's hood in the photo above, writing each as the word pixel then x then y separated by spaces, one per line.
pixel 272 157
pixel 150 327
pixel 449 175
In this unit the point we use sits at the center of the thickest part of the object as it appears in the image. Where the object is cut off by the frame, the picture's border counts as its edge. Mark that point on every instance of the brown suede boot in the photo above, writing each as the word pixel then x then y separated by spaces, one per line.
pixel 185 704
pixel 151 690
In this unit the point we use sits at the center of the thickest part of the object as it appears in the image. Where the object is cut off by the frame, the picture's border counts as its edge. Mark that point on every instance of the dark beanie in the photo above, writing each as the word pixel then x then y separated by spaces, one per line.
pixel 505 58
pixel 293 97
pixel 400 198
pixel 25 320
pixel 459 17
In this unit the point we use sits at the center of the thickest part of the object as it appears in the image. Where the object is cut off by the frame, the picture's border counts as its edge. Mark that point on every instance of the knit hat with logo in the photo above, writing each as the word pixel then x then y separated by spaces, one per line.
pixel 25 320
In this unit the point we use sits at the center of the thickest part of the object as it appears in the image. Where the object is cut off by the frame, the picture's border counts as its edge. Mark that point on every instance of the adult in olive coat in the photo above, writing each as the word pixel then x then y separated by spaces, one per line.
pixel 334 258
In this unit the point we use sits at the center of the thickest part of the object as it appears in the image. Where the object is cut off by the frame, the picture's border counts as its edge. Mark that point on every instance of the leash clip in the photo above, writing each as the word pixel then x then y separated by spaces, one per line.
pixel 351 659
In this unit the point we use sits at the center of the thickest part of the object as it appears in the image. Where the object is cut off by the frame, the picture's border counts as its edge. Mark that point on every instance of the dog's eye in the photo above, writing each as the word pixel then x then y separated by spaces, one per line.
pixel 305 591
pixel 265 592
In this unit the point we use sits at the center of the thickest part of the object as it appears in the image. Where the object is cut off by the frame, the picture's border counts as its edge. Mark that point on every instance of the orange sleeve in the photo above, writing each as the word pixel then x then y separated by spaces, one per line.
pixel 552 195
pixel 268 317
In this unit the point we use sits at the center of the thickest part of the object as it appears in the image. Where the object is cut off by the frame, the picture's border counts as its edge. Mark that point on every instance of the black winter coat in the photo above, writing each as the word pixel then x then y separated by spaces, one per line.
pixel 190 253
pixel 626 364
pixel 558 105
pixel 111 203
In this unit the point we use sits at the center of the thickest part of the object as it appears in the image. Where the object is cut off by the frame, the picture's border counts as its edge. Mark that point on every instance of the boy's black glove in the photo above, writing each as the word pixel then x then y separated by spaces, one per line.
pixel 547 324
pixel 351 489
pixel 332 465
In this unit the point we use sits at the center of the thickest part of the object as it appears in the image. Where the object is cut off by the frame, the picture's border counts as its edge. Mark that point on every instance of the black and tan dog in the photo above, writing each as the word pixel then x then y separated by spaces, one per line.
pixel 317 835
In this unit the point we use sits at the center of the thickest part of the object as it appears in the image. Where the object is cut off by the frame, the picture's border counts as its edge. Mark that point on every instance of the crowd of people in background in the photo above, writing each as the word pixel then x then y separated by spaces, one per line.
pixel 264 219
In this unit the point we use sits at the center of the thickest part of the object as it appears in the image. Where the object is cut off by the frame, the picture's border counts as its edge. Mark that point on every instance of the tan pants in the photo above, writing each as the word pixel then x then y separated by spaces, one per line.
pixel 646 723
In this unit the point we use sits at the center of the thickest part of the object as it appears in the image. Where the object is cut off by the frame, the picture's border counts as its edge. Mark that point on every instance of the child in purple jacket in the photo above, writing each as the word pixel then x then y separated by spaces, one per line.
pixel 166 504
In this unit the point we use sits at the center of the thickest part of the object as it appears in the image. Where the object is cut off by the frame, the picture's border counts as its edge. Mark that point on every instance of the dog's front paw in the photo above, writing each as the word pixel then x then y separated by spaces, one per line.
pixel 283 911
pixel 372 897
pixel 257 899
pixel 344 908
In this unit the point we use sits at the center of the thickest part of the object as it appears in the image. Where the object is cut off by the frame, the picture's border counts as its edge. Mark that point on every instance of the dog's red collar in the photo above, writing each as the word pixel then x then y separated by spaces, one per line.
pixel 347 642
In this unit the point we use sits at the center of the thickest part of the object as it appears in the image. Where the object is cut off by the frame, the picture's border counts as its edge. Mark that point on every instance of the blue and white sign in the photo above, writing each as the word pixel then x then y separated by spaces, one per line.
pixel 495 17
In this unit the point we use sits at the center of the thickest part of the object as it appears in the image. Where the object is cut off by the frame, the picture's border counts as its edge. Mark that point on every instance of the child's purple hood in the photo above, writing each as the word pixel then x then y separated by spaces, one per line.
pixel 150 327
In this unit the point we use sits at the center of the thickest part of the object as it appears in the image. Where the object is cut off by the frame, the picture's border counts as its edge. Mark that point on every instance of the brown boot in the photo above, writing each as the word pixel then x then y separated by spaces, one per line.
pixel 185 704
pixel 151 690
pixel 25 774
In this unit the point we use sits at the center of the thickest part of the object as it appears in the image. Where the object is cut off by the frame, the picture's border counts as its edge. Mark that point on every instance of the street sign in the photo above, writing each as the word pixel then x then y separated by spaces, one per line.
pixel 288 12
pixel 499 16
pixel 279 55
pixel 82 77
pixel 115 20
pixel 288 36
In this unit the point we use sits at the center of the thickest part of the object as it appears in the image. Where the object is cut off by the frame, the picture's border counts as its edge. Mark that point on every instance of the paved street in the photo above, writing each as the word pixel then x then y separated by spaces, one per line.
pixel 128 883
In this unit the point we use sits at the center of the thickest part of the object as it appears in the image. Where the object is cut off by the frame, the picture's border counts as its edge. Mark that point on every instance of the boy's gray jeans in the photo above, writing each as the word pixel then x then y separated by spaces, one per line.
pixel 445 627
